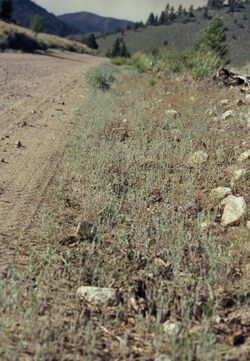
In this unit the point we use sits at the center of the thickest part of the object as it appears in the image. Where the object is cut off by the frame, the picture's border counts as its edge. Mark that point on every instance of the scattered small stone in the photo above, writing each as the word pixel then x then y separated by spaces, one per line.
pixel 240 102
pixel 2 160
pixel 220 193
pixel 85 230
pixel 239 175
pixel 163 357
pixel 171 328
pixel 235 209
pixel 225 102
pixel 18 144
pixel 247 99
pixel 172 114
pixel 198 158
pixel 97 295
pixel 244 156
pixel 228 114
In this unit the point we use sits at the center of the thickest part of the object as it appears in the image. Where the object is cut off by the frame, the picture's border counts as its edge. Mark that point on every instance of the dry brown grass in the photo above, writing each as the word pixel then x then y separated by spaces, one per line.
pixel 46 41
pixel 125 170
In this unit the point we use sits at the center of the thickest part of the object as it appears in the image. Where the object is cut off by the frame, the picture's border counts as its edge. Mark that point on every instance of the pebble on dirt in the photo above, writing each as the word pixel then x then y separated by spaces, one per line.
pixel 198 158
pixel 239 175
pixel 97 295
pixel 172 114
pixel 244 156
pixel 171 328
pixel 228 114
pixel 220 193
pixel 234 211
pixel 18 144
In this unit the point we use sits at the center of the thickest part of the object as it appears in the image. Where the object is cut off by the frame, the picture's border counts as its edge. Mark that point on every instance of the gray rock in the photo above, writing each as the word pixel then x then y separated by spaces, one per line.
pixel 97 295
pixel 198 158
pixel 220 193
pixel 163 357
pixel 228 114
pixel 234 211
pixel 172 329
pixel 244 156
pixel 172 114
pixel 239 175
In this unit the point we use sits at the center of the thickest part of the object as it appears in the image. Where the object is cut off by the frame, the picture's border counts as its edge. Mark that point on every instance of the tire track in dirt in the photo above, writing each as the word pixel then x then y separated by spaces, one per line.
pixel 39 112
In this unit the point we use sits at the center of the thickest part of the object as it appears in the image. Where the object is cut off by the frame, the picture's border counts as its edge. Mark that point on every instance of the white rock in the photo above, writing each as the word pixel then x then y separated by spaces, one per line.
pixel 172 114
pixel 248 225
pixel 171 328
pixel 239 175
pixel 225 102
pixel 244 156
pixel 198 158
pixel 220 193
pixel 235 209
pixel 162 357
pixel 228 114
pixel 97 295
pixel 247 99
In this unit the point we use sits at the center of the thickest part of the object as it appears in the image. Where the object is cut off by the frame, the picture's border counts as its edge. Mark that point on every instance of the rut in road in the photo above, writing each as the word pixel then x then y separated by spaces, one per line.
pixel 39 96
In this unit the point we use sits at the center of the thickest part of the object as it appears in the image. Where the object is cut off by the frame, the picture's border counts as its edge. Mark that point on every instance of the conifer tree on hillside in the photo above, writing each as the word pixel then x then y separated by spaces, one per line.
pixel 215 4
pixel 91 42
pixel 214 38
pixel 120 49
pixel 162 18
pixel 6 10
pixel 151 19
pixel 36 24
pixel 180 10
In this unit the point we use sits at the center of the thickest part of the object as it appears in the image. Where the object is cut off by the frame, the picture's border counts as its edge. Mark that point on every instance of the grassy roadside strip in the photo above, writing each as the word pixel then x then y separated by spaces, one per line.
pixel 126 171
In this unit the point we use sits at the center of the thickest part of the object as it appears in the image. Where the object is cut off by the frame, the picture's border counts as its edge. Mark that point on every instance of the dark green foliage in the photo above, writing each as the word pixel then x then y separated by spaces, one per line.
pixel 6 10
pixel 180 10
pixel 20 41
pixel 36 24
pixel 215 4
pixel 91 42
pixel 101 77
pixel 151 19
pixel 214 38
pixel 120 49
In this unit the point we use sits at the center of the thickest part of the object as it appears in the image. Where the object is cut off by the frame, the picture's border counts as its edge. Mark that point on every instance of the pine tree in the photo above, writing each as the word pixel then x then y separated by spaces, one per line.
pixel 180 10
pixel 6 10
pixel 214 38
pixel 191 11
pixel 151 19
pixel 36 24
pixel 205 14
pixel 215 4
pixel 162 18
pixel 172 14
pixel 91 42
pixel 120 49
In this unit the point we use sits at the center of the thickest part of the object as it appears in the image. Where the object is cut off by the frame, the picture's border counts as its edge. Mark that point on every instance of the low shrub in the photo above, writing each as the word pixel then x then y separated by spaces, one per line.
pixel 19 41
pixel 101 77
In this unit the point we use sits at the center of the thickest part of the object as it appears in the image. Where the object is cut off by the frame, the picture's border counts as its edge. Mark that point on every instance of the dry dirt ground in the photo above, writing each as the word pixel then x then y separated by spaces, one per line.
pixel 39 95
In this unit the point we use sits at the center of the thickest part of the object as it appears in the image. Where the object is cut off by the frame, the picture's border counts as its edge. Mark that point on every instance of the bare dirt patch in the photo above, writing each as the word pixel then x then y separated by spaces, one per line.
pixel 39 97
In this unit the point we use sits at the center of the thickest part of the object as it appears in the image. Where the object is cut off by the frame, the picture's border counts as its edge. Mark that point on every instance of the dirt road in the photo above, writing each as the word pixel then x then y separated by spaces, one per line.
pixel 39 97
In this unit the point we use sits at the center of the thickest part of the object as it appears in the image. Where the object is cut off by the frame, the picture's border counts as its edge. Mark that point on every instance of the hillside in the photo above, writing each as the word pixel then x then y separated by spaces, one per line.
pixel 91 23
pixel 184 32
pixel 14 37
pixel 24 9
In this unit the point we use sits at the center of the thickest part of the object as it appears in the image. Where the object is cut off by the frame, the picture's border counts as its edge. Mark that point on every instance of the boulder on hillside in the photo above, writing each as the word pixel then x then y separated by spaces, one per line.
pixel 198 158
pixel 220 193
pixel 234 211
pixel 98 295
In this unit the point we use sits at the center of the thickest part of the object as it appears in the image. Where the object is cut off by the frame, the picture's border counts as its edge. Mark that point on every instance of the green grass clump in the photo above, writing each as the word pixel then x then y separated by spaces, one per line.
pixel 101 77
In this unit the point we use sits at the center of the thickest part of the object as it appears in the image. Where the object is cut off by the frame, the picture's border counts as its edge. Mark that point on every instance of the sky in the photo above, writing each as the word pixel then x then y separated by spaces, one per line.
pixel 123 9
